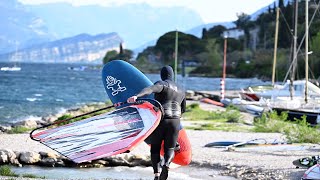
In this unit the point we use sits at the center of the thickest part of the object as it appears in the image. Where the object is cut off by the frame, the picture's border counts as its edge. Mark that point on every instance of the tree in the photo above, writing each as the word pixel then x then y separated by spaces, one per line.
pixel 243 22
pixel 315 56
pixel 214 57
pixel 188 45
pixel 285 32
pixel 124 54
pixel 110 55
pixel 216 32
pixel 281 4
pixel 204 33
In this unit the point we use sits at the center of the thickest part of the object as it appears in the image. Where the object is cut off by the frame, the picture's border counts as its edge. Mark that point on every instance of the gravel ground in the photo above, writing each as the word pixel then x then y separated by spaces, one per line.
pixel 243 163
pixel 263 162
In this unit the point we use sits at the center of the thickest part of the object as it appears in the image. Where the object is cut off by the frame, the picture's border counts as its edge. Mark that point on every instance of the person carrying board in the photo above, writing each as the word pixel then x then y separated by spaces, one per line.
pixel 173 100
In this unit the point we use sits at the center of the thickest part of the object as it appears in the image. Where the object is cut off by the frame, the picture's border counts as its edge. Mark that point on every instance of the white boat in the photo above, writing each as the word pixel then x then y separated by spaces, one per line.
pixel 13 68
pixel 254 108
pixel 298 91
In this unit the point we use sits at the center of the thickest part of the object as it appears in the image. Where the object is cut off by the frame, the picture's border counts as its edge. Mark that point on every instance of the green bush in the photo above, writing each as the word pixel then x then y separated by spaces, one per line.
pixel 299 131
pixel 193 106
pixel 302 132
pixel 18 130
pixel 271 122
pixel 232 115
pixel 65 116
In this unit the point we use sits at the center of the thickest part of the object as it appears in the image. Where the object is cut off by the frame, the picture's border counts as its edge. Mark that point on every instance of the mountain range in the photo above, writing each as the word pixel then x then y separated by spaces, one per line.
pixel 80 48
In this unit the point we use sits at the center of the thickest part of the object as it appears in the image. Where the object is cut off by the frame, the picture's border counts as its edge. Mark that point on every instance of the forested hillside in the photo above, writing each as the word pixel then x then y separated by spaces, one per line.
pixel 248 55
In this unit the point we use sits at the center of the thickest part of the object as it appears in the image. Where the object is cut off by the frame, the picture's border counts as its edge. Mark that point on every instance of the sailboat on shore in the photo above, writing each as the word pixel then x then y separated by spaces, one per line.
pixel 304 96
pixel 297 98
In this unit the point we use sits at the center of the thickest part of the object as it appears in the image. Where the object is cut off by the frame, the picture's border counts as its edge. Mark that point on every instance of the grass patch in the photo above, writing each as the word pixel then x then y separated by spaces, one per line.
pixel 32 176
pixel 5 170
pixel 18 130
pixel 229 120
pixel 299 131
pixel 216 126
pixel 195 113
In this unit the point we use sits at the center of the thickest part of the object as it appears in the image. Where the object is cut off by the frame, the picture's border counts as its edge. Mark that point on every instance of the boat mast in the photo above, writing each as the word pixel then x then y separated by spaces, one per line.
pixel 294 60
pixel 306 52
pixel 275 48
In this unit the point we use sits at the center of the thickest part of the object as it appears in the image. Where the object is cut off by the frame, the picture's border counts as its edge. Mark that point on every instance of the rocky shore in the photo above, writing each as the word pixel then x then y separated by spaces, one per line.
pixel 241 163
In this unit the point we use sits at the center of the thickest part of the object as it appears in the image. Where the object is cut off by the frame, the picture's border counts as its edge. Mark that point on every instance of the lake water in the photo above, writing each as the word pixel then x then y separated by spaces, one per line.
pixel 43 89
pixel 121 172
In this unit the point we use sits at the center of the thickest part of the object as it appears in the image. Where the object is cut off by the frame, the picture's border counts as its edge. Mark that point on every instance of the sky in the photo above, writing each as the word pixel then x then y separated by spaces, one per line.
pixel 210 10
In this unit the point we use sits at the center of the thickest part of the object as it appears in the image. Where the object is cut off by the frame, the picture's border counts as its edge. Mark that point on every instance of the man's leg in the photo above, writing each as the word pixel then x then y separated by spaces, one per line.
pixel 155 158
pixel 170 142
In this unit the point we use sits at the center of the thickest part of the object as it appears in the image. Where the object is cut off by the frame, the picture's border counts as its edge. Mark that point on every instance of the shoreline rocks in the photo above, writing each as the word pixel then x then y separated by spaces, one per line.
pixel 48 159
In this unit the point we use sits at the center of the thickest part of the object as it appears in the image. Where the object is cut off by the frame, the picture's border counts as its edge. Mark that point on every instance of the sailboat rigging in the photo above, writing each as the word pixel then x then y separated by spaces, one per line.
pixel 312 114
pixel 296 97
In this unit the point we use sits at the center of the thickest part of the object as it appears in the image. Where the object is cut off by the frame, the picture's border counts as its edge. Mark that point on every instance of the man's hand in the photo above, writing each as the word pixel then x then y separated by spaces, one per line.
pixel 117 104
pixel 132 99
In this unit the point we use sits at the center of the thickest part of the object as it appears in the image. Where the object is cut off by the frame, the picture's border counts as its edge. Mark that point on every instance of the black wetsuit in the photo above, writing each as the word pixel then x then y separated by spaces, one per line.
pixel 172 98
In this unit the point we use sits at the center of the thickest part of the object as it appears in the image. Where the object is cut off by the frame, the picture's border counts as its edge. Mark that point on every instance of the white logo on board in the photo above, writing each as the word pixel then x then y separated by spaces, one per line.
pixel 114 85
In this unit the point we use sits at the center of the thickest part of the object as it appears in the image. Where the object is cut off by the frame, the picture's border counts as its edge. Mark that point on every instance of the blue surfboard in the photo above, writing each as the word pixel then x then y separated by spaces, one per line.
pixel 122 80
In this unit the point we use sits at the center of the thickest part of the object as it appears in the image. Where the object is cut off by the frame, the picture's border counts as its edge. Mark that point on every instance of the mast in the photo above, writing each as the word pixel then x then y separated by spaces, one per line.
pixel 275 48
pixel 294 59
pixel 306 53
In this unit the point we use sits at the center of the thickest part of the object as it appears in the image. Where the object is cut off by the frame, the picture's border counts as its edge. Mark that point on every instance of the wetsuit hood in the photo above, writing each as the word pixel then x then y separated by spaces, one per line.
pixel 167 73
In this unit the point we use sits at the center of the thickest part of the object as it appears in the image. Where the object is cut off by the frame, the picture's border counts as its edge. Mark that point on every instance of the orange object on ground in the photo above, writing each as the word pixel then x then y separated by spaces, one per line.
pixel 183 156
pixel 210 101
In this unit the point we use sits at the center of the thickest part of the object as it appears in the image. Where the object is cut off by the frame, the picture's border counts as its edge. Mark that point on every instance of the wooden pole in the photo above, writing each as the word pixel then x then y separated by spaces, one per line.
pixel 275 48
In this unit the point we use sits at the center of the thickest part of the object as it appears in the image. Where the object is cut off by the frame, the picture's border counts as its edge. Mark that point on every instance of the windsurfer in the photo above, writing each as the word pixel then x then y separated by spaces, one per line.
pixel 173 100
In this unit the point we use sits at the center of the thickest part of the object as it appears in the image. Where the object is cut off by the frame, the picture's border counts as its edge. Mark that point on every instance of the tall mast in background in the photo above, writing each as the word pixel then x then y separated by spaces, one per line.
pixel 275 48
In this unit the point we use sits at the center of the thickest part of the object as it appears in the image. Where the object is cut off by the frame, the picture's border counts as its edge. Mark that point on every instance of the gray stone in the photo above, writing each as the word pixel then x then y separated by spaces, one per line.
pixel 5 128
pixel 29 157
pixel 29 123
pixel 3 157
pixel 49 162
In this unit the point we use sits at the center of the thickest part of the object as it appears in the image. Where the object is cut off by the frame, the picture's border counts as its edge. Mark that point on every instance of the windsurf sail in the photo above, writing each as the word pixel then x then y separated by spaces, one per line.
pixel 103 135
pixel 312 173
